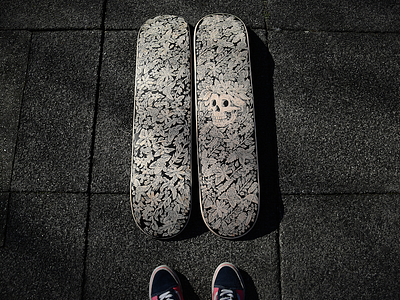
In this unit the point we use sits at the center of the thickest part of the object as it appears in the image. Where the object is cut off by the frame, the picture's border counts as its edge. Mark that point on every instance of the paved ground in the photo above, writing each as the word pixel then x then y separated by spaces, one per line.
pixel 326 82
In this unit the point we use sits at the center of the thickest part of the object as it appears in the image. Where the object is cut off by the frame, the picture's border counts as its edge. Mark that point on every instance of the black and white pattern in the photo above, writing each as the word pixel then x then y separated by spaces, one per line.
pixel 228 169
pixel 161 164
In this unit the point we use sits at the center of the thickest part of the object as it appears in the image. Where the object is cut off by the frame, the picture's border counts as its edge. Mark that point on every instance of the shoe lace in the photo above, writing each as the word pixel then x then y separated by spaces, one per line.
pixel 167 296
pixel 227 295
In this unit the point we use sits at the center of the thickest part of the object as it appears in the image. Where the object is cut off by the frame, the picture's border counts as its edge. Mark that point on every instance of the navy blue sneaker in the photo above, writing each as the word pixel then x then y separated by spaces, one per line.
pixel 165 285
pixel 227 283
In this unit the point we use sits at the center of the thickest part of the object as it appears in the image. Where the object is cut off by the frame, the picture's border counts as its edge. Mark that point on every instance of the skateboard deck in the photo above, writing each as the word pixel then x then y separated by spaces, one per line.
pixel 161 144
pixel 226 139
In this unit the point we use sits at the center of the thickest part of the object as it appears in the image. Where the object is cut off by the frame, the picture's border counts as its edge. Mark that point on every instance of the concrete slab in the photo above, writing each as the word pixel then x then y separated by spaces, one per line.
pixel 43 255
pixel 14 48
pixel 356 16
pixel 126 14
pixel 113 146
pixel 337 111
pixel 50 14
pixel 54 141
pixel 121 258
pixel 340 247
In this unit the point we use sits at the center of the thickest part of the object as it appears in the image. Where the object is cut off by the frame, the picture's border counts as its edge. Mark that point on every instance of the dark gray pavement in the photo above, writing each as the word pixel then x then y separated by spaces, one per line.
pixel 326 83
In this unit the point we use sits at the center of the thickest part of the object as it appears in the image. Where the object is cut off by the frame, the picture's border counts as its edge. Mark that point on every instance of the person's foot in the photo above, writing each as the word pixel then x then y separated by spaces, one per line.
pixel 164 285
pixel 227 283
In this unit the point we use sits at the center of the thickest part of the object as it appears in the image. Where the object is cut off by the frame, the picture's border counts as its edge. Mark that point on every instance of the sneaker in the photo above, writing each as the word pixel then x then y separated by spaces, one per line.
pixel 164 285
pixel 227 283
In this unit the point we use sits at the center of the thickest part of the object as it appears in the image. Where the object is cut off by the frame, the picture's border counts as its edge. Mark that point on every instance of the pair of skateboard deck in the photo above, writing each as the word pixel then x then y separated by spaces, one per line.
pixel 161 167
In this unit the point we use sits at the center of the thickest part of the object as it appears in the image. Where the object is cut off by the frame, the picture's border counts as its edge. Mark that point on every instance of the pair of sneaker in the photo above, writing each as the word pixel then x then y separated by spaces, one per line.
pixel 227 284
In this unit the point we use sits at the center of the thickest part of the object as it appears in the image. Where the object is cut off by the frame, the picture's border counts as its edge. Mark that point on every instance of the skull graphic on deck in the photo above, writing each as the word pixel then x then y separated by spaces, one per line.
pixel 224 109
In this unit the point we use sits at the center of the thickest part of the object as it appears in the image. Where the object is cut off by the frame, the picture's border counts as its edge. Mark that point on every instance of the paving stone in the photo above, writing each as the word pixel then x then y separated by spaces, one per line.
pixel 50 14
pixel 364 16
pixel 121 258
pixel 44 252
pixel 14 48
pixel 54 139
pixel 119 12
pixel 337 111
pixel 340 247
pixel 113 143
pixel 3 216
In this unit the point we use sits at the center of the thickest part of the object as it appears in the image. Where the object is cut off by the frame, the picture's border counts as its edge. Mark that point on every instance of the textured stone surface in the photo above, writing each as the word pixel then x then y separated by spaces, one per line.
pixel 335 97
pixel 337 111
pixel 113 143
pixel 3 216
pixel 14 47
pixel 360 16
pixel 120 13
pixel 44 250
pixel 120 256
pixel 57 113
pixel 340 246
pixel 50 14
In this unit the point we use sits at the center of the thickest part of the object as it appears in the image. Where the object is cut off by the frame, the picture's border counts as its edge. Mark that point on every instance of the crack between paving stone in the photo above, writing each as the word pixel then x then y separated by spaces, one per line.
pixel 341 194
pixel 95 113
pixel 16 141
pixel 304 30
pixel 61 29
pixel 65 192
